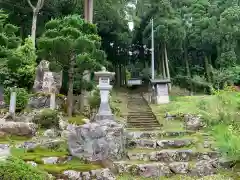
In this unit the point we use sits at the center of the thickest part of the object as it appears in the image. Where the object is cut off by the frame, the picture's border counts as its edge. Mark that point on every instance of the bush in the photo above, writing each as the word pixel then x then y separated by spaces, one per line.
pixel 94 99
pixel 21 100
pixel 47 118
pixel 16 169
pixel 227 141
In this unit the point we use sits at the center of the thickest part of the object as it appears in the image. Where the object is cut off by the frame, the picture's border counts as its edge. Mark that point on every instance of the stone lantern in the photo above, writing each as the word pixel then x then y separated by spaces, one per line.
pixel 104 86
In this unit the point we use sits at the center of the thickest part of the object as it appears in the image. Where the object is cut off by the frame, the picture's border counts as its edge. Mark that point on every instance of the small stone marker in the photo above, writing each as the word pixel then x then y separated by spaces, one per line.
pixel 50 87
pixel 12 106
pixel 1 96
pixel 104 86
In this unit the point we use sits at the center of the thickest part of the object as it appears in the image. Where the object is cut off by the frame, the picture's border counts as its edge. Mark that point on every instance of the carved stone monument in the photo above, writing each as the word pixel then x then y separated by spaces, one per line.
pixel 104 86
pixel 40 70
pixel 160 91
pixel 46 82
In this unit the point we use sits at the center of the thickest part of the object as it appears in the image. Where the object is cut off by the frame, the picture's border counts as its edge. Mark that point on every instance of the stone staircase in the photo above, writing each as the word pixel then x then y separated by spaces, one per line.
pixel 140 114
pixel 153 152
pixel 166 154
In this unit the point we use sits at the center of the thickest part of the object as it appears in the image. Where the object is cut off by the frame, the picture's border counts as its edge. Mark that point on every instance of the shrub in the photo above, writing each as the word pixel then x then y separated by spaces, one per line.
pixel 21 99
pixel 47 118
pixel 16 169
pixel 227 141
pixel 94 99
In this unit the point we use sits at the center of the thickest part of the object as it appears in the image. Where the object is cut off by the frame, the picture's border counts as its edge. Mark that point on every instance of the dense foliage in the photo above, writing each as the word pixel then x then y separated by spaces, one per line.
pixel 196 41
pixel 22 97
pixel 16 169
pixel 47 118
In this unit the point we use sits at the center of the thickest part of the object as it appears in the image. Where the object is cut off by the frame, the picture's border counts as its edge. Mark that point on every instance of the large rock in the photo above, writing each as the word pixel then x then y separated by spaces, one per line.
pixel 4 152
pixel 179 167
pixel 193 122
pixel 98 174
pixel 97 141
pixel 154 170
pixel 204 168
pixel 18 128
pixel 40 101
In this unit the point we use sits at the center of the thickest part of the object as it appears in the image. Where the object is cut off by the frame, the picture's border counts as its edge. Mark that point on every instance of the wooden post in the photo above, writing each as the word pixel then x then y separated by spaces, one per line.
pixel 88 10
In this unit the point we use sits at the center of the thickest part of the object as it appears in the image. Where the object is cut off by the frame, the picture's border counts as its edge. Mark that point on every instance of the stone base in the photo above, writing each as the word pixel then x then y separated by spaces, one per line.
pixel 162 99
pixel 99 140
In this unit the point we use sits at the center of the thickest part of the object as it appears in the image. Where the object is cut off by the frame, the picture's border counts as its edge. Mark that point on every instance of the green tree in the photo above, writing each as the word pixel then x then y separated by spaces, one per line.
pixel 74 45
pixel 17 61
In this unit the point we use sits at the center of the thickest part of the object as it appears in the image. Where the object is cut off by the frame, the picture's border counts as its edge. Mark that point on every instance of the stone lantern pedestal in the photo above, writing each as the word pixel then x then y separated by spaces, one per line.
pixel 104 86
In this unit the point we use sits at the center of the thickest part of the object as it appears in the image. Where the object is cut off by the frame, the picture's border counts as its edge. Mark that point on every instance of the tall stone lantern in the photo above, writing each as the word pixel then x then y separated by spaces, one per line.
pixel 104 86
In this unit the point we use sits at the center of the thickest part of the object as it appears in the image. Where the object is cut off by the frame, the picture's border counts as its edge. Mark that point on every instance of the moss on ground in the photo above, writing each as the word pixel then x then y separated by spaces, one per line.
pixel 78 120
pixel 74 164
pixel 119 99
pixel 13 139
pixel 37 154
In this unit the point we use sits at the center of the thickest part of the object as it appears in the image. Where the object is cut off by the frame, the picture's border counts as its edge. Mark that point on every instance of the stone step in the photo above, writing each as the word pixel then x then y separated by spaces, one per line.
pixel 142 120
pixel 135 121
pixel 140 113
pixel 141 133
pixel 137 109
pixel 143 125
pixel 141 116
pixel 143 129
pixel 160 144
pixel 171 155
pixel 157 169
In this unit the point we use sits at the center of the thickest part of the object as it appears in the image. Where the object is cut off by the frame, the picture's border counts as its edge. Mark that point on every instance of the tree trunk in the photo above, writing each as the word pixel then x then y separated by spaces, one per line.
pixel 167 67
pixel 118 76
pixel 188 68
pixel 163 65
pixel 70 87
pixel 207 69
pixel 34 26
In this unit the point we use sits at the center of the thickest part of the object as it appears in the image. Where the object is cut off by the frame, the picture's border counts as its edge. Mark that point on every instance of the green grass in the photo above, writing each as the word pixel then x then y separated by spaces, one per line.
pixel 78 120
pixel 119 99
pixel 37 154
pixel 13 139
pixel 74 164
